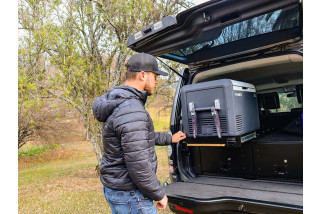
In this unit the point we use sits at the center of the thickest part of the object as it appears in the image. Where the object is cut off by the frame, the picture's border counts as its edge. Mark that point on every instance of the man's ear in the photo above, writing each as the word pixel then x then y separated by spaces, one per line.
pixel 142 76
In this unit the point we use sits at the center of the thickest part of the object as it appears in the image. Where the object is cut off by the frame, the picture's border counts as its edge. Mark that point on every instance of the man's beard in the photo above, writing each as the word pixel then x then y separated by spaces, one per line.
pixel 149 90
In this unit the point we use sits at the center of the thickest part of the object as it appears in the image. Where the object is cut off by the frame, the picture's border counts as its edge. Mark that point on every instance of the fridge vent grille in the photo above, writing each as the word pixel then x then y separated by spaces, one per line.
pixel 239 123
pixel 208 122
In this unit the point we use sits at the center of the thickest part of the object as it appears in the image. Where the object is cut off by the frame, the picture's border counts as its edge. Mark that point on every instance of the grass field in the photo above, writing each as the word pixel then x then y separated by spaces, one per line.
pixel 62 179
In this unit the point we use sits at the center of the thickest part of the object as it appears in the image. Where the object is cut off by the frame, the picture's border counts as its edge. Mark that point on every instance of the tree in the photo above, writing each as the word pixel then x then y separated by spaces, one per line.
pixel 31 70
pixel 84 46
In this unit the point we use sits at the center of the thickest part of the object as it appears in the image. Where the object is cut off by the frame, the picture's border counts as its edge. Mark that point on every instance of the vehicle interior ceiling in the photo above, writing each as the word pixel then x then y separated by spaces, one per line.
pixel 272 77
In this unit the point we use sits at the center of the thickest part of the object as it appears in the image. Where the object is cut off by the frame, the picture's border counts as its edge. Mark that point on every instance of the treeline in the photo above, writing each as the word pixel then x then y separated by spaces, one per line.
pixel 75 51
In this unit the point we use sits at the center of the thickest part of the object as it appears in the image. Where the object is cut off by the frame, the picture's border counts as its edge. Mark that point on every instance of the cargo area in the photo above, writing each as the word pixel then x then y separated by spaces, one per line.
pixel 265 171
pixel 276 154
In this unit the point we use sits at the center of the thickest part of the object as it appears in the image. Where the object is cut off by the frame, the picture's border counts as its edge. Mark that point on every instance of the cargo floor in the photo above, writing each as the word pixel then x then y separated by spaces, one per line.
pixel 204 187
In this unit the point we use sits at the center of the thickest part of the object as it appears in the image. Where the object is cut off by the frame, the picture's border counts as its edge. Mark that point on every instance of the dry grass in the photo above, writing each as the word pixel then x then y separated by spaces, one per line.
pixel 161 119
pixel 59 180
pixel 64 180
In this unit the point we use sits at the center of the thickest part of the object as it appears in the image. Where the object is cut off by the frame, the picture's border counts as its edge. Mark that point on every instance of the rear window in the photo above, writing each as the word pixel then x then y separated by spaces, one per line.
pixel 270 22
pixel 288 101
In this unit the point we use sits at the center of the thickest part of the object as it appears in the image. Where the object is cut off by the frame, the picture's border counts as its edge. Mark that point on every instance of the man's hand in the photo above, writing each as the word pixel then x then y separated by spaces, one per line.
pixel 162 204
pixel 178 136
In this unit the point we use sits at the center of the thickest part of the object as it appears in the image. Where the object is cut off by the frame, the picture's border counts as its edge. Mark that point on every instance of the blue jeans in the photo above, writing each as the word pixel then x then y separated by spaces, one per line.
pixel 132 201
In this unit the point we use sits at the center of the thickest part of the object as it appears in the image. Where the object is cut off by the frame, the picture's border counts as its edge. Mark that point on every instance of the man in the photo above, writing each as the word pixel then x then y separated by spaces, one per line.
pixel 129 162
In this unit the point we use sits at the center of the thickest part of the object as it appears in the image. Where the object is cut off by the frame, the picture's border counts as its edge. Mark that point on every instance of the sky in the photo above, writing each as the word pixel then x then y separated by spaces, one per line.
pixel 199 1
pixel 196 2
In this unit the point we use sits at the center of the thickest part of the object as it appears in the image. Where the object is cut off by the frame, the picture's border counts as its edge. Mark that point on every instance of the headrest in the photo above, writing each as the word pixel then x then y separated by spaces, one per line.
pixel 268 100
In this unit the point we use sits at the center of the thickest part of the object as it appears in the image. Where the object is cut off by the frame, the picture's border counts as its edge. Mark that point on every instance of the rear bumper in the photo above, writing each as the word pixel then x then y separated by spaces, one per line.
pixel 230 204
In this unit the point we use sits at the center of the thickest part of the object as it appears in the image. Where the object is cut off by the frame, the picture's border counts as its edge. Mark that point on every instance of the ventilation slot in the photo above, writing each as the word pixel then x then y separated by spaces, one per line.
pixel 239 123
pixel 208 124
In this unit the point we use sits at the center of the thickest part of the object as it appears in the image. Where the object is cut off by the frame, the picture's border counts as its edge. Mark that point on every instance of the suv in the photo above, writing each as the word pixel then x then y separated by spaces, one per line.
pixel 254 42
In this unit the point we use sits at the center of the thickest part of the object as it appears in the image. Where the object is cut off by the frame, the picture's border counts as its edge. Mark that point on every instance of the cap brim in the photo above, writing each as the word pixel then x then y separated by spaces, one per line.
pixel 162 73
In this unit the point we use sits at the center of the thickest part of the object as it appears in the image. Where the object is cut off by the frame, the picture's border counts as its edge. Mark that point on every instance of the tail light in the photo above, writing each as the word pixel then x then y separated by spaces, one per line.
pixel 183 209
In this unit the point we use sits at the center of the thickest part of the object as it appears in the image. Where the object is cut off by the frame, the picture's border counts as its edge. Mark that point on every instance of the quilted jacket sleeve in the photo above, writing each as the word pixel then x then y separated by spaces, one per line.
pixel 131 124
pixel 162 139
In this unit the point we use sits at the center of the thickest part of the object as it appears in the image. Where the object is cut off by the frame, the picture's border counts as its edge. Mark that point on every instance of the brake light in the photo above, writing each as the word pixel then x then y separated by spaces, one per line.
pixel 183 209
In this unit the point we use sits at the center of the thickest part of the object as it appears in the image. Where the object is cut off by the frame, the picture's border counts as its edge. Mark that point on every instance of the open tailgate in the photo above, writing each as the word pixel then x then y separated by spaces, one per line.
pixel 185 37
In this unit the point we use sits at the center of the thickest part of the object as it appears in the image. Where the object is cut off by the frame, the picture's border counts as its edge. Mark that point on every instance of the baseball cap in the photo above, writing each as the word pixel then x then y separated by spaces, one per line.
pixel 144 62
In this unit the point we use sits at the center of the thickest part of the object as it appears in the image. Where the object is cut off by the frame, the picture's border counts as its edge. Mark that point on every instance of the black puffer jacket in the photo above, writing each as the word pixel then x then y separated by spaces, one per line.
pixel 129 160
